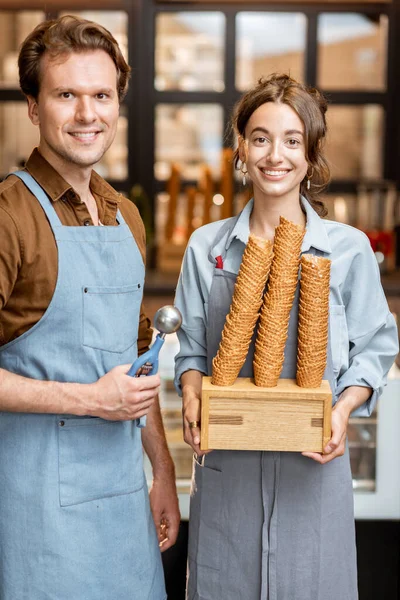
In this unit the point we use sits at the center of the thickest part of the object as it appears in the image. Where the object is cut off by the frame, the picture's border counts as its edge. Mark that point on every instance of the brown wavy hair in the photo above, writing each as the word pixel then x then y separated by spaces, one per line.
pixel 310 106
pixel 61 37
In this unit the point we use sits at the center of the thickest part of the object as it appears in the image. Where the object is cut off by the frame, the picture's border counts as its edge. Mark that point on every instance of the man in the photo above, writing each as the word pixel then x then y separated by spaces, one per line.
pixel 75 518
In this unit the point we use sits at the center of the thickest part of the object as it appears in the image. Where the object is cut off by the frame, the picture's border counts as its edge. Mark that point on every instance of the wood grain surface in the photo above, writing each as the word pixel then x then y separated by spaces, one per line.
pixel 284 418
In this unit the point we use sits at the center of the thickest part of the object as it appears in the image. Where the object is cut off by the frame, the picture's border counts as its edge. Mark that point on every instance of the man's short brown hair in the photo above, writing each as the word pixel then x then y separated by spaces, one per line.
pixel 61 37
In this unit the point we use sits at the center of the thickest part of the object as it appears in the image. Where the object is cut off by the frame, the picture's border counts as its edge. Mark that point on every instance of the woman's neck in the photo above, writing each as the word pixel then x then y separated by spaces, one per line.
pixel 267 212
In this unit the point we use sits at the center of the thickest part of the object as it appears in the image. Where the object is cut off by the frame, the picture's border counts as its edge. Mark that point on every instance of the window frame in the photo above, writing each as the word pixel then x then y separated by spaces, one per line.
pixel 230 95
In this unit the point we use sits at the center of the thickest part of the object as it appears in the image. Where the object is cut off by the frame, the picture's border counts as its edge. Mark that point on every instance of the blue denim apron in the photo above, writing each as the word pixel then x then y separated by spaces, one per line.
pixel 268 525
pixel 75 520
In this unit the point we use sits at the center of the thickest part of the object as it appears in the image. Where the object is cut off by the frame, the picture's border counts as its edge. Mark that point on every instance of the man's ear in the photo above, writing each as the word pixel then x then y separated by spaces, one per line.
pixel 33 110
pixel 243 149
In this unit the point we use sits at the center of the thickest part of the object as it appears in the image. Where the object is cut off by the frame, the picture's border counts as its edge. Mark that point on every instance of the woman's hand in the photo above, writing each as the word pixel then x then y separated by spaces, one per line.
pixel 349 400
pixel 337 444
pixel 191 409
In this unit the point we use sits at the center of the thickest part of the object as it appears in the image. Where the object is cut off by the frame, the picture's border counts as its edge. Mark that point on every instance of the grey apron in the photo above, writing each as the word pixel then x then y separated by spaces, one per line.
pixel 75 520
pixel 268 525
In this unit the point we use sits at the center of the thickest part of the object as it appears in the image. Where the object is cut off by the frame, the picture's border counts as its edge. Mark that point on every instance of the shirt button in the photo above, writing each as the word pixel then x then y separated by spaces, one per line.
pixel 86 222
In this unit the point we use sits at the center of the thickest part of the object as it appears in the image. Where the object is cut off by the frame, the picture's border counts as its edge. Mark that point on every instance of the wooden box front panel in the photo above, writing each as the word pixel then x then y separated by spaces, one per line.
pixel 246 417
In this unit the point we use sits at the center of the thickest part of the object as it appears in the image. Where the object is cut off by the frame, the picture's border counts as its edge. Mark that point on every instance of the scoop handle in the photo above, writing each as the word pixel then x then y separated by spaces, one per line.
pixel 147 364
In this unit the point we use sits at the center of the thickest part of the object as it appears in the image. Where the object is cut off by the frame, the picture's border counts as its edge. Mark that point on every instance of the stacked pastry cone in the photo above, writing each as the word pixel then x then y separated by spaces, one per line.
pixel 244 310
pixel 313 320
pixel 274 318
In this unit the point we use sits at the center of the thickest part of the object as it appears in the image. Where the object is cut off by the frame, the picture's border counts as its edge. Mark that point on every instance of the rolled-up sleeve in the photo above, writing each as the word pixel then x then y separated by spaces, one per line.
pixel 372 331
pixel 190 300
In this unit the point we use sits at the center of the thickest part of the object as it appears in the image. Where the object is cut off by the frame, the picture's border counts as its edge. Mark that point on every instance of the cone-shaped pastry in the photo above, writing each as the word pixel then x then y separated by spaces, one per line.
pixel 243 315
pixel 313 320
pixel 277 303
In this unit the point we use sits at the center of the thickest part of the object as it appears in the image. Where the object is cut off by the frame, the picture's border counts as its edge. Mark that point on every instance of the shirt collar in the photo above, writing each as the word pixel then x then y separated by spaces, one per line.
pixel 315 236
pixel 56 187
pixel 241 229
pixel 46 176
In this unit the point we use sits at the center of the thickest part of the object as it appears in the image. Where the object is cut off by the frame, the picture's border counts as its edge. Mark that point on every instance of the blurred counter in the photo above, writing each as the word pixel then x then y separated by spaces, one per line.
pixel 383 501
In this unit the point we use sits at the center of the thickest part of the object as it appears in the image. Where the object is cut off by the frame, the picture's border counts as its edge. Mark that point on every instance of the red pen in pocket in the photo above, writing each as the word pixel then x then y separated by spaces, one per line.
pixel 220 262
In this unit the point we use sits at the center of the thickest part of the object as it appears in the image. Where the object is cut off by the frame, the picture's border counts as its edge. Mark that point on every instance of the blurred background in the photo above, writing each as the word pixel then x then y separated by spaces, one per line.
pixel 191 61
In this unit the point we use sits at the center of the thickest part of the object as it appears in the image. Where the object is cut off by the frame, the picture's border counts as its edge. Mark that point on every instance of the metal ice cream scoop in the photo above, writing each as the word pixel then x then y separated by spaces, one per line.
pixel 167 319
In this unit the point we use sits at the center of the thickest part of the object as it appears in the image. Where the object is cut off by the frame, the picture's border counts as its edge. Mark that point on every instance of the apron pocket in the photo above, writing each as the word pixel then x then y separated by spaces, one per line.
pixel 111 317
pixel 205 527
pixel 98 459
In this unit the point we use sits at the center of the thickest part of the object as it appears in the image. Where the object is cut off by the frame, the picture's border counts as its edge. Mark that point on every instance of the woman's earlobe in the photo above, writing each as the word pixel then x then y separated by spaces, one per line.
pixel 243 149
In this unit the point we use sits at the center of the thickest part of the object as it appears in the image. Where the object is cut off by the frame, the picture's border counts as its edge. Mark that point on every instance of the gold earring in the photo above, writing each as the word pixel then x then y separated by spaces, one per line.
pixel 244 173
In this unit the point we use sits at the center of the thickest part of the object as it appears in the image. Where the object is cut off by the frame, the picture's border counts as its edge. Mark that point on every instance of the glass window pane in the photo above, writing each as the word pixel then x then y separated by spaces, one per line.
pixel 355 141
pixel 114 164
pixel 116 21
pixel 190 51
pixel 18 136
pixel 14 27
pixel 188 135
pixel 268 42
pixel 352 51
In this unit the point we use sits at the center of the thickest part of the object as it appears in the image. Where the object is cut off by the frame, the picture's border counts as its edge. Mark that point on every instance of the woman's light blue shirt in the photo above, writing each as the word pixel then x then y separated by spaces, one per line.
pixel 364 336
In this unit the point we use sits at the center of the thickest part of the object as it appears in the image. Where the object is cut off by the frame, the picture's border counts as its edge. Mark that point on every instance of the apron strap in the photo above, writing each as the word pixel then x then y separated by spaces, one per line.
pixel 120 218
pixel 226 228
pixel 44 200
pixel 41 196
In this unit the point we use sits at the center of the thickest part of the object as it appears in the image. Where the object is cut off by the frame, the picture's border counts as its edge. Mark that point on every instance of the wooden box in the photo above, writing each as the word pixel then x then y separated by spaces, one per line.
pixel 246 417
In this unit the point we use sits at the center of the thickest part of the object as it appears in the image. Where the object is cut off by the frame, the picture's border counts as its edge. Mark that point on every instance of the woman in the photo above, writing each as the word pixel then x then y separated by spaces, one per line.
pixel 280 525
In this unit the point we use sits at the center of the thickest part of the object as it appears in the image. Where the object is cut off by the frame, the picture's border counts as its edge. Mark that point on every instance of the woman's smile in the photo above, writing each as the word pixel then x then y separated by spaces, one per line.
pixel 274 174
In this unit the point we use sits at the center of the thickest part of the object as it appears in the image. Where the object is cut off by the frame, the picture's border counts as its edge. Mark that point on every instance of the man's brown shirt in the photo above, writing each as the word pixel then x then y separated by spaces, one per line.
pixel 28 251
